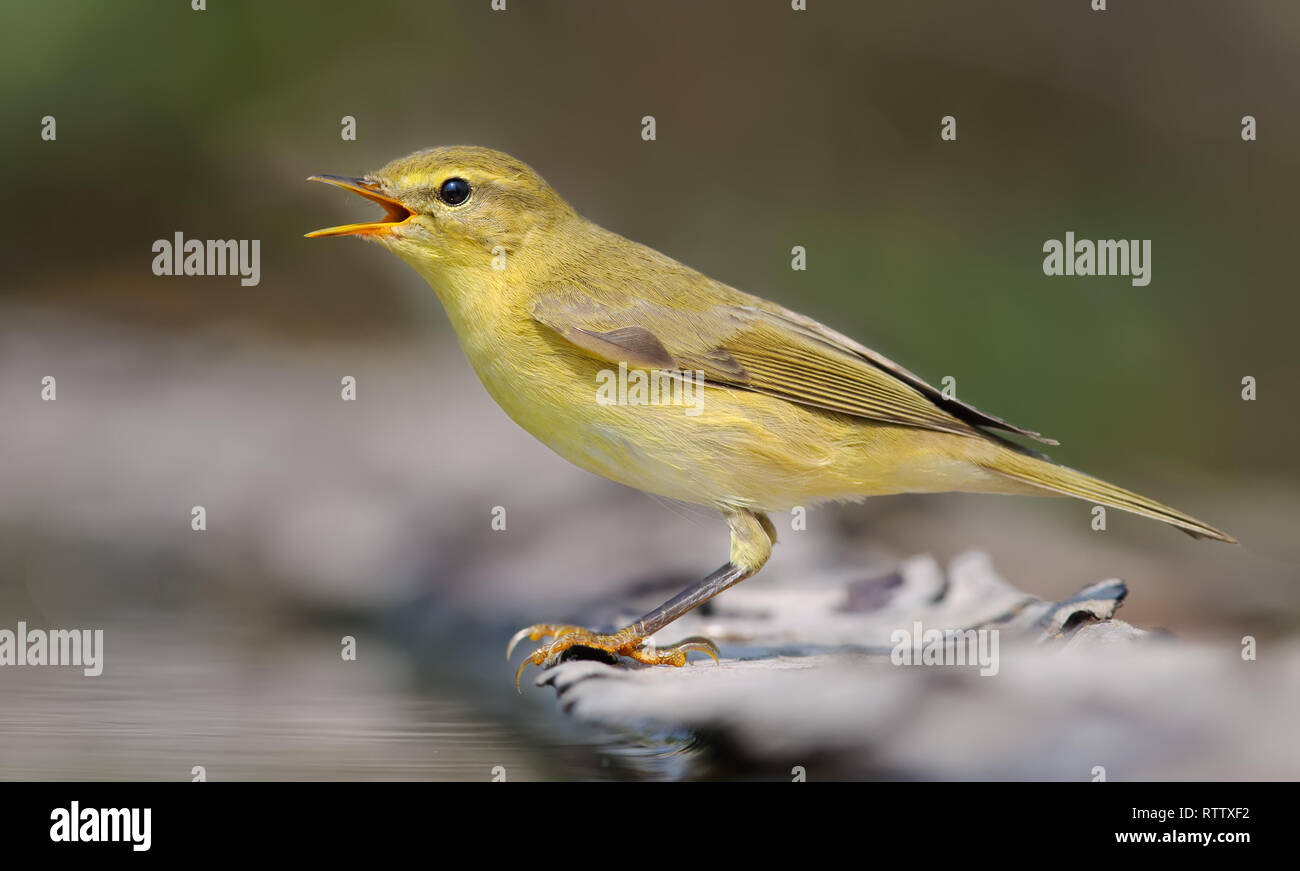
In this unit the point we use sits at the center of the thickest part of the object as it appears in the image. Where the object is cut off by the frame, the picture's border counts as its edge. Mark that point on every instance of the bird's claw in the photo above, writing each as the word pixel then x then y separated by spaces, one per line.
pixel 625 642
pixel 537 633
pixel 697 643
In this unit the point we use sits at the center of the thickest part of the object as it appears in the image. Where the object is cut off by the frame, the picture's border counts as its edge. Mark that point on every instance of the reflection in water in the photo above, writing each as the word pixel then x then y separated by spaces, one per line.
pixel 246 704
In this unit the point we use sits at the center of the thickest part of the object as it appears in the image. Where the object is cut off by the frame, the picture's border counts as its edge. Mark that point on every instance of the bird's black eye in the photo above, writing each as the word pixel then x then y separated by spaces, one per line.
pixel 454 191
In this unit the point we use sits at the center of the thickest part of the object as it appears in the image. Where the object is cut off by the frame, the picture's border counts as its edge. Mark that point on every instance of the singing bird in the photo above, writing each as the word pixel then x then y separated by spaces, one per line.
pixel 789 412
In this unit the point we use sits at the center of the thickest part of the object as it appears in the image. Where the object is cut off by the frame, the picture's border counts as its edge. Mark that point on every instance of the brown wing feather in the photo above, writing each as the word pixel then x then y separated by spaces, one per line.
pixel 766 349
pixel 956 407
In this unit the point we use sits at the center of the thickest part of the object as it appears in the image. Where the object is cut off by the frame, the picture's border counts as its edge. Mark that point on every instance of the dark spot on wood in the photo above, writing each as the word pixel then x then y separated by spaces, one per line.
pixel 871 594
pixel 1077 619
pixel 579 652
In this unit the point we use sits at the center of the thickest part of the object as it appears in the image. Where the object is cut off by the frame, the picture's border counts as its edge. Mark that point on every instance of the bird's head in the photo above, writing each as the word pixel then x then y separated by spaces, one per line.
pixel 452 208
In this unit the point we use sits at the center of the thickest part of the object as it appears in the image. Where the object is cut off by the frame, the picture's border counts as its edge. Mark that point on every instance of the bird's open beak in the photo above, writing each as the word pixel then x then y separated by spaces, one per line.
pixel 395 212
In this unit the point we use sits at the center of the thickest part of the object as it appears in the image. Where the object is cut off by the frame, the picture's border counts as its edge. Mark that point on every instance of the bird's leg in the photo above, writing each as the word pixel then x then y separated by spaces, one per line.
pixel 752 537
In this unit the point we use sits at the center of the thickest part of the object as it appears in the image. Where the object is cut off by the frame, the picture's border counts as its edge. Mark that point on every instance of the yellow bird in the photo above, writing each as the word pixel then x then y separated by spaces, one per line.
pixel 761 409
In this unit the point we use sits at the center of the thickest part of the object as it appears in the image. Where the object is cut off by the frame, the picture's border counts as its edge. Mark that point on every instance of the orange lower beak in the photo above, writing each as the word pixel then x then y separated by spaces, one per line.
pixel 395 213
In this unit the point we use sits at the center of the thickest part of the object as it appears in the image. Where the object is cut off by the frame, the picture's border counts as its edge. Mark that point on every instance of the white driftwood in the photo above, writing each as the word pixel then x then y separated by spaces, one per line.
pixel 807 679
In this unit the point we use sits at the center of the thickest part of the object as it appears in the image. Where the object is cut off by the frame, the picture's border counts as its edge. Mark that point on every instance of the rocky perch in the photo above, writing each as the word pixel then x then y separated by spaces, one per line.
pixel 926 673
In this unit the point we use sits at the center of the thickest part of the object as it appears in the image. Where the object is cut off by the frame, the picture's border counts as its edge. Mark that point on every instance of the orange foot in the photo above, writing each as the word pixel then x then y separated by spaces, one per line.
pixel 624 642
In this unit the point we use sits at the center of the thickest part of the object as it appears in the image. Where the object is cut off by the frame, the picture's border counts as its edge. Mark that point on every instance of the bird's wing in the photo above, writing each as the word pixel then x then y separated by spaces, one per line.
pixel 749 343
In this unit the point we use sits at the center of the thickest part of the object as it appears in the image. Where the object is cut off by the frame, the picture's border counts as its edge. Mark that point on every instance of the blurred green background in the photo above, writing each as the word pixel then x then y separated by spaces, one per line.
pixel 775 128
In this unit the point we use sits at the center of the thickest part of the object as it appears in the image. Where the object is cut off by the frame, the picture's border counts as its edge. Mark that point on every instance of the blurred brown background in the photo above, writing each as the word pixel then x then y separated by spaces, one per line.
pixel 775 128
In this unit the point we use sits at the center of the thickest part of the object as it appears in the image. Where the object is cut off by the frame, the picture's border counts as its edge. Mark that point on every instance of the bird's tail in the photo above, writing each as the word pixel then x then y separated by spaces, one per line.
pixel 1060 479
